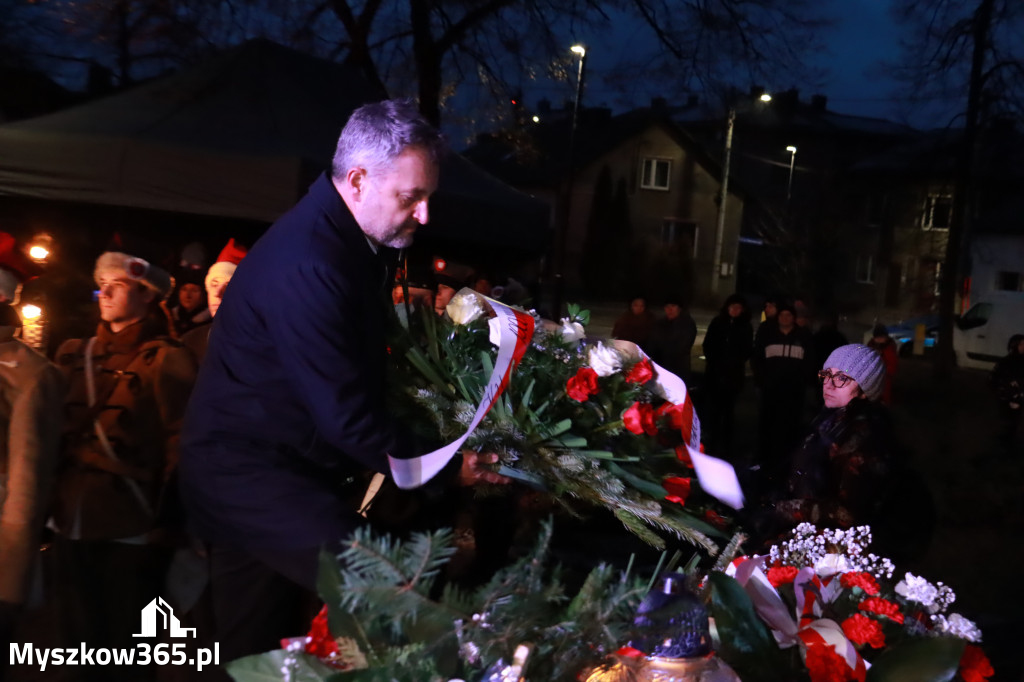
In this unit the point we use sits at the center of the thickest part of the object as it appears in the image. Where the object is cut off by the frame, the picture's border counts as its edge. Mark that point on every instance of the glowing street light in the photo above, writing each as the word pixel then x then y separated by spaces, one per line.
pixel 716 262
pixel 789 186
pixel 563 227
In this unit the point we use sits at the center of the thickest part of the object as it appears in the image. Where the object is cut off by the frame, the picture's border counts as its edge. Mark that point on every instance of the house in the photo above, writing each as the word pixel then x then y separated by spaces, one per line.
pixel 899 207
pixel 641 198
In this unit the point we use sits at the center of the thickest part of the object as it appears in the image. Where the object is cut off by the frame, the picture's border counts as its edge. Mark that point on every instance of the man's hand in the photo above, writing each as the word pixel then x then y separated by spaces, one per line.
pixel 475 469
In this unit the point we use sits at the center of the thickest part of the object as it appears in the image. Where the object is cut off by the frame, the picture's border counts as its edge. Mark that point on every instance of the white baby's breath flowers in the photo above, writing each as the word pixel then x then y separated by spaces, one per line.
pixel 604 360
pixel 958 626
pixel 464 308
pixel 572 331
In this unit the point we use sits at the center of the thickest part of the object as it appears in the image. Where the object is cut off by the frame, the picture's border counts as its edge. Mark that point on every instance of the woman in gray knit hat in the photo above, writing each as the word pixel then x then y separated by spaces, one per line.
pixel 851 470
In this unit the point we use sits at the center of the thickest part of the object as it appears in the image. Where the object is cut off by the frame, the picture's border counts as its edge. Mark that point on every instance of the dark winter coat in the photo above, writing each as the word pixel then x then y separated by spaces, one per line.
pixel 290 400
pixel 782 361
pixel 727 345
pixel 671 343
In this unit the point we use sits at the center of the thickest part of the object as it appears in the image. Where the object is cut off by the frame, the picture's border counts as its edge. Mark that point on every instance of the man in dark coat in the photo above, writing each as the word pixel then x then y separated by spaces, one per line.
pixel 673 337
pixel 727 345
pixel 290 402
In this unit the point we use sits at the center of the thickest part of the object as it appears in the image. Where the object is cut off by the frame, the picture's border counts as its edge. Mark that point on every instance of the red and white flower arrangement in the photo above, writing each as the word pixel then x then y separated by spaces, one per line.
pixel 824 592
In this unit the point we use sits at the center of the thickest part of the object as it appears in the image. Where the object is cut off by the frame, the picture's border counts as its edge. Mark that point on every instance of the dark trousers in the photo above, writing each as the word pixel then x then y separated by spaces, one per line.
pixel 718 418
pixel 100 589
pixel 261 597
pixel 779 428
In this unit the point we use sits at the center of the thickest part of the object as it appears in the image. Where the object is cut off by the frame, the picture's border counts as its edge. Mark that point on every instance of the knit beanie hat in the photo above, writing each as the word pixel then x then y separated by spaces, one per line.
pixel 861 363
pixel 136 269
pixel 230 256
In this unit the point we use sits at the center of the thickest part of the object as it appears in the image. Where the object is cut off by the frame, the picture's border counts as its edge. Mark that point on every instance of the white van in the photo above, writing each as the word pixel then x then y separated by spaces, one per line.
pixel 981 334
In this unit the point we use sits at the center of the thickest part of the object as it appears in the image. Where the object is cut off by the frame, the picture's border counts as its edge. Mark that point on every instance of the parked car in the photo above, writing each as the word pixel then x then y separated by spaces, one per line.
pixel 903 333
pixel 980 334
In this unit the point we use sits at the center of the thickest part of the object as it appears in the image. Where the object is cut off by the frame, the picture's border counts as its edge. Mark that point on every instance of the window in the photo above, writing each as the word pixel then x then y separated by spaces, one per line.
pixel 865 273
pixel 1009 281
pixel 938 212
pixel 673 231
pixel 654 174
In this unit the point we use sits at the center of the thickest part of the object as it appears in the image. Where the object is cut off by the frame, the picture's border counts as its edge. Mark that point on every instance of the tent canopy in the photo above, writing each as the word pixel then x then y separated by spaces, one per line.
pixel 240 136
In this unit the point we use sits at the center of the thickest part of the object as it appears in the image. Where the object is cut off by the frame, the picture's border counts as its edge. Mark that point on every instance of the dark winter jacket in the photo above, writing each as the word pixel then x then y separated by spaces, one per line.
pixel 782 361
pixel 671 343
pixel 290 400
pixel 727 346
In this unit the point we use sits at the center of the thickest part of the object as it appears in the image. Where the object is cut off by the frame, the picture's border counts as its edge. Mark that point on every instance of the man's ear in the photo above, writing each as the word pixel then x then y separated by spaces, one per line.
pixel 356 181
pixel 148 295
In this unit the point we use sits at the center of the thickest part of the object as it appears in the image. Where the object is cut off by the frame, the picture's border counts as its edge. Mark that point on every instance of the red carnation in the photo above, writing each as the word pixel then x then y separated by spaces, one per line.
pixel 862 630
pixel 782 575
pixel 715 519
pixel 825 665
pixel 683 455
pixel 320 643
pixel 583 385
pixel 640 373
pixel 882 607
pixel 974 665
pixel 864 581
pixel 639 419
pixel 678 489
pixel 630 652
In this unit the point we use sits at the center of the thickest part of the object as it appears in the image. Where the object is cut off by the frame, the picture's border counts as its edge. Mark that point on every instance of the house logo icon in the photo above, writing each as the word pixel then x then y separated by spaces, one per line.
pixel 159 616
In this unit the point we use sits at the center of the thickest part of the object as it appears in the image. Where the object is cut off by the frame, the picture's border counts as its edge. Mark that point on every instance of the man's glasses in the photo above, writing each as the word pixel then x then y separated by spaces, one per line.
pixel 838 379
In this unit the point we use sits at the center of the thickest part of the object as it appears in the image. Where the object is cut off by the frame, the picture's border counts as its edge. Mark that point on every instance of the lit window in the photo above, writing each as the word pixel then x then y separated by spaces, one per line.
pixel 938 212
pixel 654 174
pixel 865 273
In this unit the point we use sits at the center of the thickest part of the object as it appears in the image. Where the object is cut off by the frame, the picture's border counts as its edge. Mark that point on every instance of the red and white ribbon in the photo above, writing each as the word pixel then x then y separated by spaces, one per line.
pixel 516 332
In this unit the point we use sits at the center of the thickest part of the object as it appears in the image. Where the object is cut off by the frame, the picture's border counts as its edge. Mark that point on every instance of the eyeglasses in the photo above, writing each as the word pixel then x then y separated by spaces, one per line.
pixel 838 379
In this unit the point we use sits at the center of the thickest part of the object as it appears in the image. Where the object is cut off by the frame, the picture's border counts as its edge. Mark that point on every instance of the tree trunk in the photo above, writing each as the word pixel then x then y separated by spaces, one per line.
pixel 961 190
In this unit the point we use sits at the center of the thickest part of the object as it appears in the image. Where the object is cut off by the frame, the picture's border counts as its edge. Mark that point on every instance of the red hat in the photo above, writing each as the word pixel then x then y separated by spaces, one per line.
pixel 230 256
pixel 15 267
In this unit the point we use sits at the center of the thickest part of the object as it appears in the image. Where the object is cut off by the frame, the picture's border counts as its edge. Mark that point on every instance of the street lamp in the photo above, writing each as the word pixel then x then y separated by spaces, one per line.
pixel 789 185
pixel 559 283
pixel 716 262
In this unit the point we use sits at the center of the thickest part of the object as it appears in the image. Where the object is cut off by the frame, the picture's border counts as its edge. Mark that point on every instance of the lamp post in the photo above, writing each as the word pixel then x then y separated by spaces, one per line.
pixel 563 228
pixel 789 185
pixel 716 261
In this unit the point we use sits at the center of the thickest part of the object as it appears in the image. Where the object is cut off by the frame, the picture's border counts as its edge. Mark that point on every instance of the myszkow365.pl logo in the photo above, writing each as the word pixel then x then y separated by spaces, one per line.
pixel 157 617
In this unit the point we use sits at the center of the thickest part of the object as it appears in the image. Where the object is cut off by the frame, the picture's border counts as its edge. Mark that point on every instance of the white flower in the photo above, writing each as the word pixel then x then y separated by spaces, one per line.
pixel 464 308
pixel 604 360
pixel 494 331
pixel 830 564
pixel 572 331
pixel 958 626
pixel 917 589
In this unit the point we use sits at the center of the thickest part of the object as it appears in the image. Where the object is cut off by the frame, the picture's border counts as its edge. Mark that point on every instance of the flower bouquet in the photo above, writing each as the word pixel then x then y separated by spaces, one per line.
pixel 586 421
pixel 823 608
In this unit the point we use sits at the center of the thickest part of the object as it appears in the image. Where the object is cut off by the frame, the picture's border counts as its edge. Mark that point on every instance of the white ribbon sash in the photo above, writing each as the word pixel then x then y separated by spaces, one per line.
pixel 516 332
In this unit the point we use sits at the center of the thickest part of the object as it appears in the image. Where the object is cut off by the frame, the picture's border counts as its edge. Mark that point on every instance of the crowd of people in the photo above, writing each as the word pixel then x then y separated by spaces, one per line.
pixel 218 429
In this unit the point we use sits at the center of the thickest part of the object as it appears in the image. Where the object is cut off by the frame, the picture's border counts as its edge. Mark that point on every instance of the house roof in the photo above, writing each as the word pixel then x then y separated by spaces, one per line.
pixel 541 155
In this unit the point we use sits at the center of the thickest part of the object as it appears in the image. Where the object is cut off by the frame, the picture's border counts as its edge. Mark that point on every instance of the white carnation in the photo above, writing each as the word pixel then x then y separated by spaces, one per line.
pixel 958 626
pixel 464 308
pixel 572 331
pixel 913 588
pixel 830 564
pixel 604 360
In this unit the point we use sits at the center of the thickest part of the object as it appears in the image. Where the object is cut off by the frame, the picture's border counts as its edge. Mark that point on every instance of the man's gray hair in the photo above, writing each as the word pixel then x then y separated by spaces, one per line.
pixel 376 134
